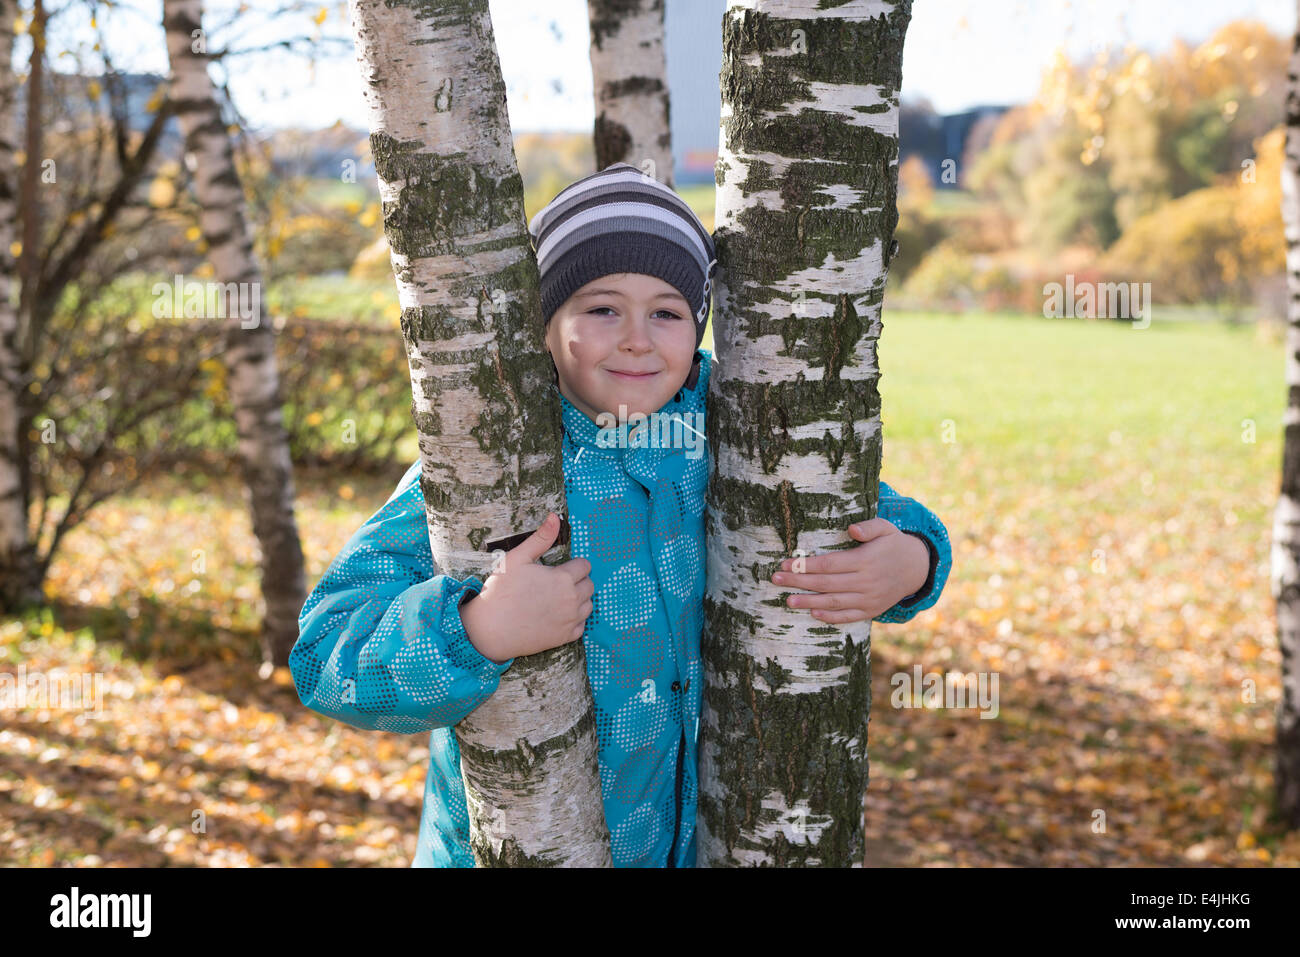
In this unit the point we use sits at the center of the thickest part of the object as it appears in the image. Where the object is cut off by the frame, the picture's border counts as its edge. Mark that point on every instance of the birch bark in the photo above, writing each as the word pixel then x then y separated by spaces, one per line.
pixel 1286 515
pixel 488 421
pixel 16 557
pixel 806 208
pixel 250 351
pixel 629 73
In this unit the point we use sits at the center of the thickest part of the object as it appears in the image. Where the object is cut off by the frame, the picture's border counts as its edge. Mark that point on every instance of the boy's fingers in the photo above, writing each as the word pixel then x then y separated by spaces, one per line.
pixel 840 617
pixel 831 601
pixel 841 582
pixel 535 545
pixel 871 528
pixel 577 568
pixel 830 563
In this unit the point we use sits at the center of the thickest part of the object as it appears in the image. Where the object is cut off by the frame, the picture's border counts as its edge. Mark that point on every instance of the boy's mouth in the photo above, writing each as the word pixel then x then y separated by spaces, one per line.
pixel 634 376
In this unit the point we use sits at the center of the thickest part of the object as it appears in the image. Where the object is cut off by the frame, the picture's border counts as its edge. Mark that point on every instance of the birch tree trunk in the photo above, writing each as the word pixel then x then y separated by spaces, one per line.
pixel 250 351
pixel 33 148
pixel 629 74
pixel 1286 516
pixel 808 175
pixel 488 422
pixel 15 548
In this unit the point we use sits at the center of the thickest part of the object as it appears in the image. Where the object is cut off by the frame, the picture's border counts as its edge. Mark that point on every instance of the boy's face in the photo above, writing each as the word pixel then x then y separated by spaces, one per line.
pixel 622 323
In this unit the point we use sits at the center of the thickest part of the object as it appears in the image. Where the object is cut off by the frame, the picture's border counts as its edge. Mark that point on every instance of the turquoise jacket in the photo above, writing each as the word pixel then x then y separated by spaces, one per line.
pixel 381 643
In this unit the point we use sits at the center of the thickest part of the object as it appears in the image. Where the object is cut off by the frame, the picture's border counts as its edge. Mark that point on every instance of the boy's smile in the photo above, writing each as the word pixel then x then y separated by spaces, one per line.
pixel 625 339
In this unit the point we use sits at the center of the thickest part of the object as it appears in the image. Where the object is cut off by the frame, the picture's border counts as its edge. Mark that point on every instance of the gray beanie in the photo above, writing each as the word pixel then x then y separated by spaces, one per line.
pixel 620 220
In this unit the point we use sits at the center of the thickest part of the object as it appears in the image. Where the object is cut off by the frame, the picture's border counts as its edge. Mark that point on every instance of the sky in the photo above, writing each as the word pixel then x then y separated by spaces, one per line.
pixel 958 53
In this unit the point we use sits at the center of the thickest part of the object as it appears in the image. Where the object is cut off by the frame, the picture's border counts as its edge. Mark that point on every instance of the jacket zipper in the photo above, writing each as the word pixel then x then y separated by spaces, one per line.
pixel 677 827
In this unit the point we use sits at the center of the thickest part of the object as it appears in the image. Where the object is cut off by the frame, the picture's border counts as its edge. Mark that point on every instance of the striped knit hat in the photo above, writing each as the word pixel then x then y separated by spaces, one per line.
pixel 621 220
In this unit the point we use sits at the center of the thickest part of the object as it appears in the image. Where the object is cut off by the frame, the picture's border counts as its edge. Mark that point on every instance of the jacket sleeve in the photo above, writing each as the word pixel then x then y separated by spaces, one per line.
pixel 914 518
pixel 381 644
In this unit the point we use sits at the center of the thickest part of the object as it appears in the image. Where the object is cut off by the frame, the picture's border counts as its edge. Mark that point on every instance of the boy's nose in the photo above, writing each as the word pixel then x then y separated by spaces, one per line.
pixel 636 336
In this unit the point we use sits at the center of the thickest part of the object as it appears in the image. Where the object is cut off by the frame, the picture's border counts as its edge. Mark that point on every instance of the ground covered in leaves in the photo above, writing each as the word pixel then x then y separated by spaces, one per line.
pixel 1108 493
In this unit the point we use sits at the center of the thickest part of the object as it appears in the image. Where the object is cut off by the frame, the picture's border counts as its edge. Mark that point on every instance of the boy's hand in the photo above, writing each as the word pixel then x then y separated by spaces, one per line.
pixel 525 606
pixel 857 584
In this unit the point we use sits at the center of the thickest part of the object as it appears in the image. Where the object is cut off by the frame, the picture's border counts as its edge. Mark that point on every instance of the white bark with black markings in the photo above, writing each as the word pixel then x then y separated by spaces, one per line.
pixel 806 210
pixel 15 549
pixel 488 421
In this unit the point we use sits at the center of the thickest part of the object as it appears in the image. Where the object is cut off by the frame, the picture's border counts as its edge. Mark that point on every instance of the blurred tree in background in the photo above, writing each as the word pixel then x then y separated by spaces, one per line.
pixel 1153 168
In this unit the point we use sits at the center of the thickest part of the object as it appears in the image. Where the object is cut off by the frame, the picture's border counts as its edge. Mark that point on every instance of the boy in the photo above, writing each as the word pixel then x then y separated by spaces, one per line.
pixel 385 644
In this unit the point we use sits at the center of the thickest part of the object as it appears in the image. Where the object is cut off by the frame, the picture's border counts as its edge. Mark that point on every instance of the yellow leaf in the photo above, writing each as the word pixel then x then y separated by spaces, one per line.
pixel 346 493
pixel 15 249
pixel 161 192
pixel 321 15
pixel 20 25
pixel 93 89
pixel 193 233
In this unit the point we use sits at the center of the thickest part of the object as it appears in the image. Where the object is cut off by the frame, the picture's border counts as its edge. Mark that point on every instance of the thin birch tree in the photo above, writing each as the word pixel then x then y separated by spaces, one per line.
pixel 629 73
pixel 488 422
pixel 250 350
pixel 14 545
pixel 806 210
pixel 1286 515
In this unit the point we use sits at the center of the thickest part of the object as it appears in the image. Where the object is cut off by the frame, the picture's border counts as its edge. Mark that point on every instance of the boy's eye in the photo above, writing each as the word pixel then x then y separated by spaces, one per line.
pixel 667 312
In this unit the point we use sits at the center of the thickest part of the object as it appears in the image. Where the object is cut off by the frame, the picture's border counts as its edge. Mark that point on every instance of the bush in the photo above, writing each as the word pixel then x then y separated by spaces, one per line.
pixel 945 277
pixel 916 235
pixel 1189 250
